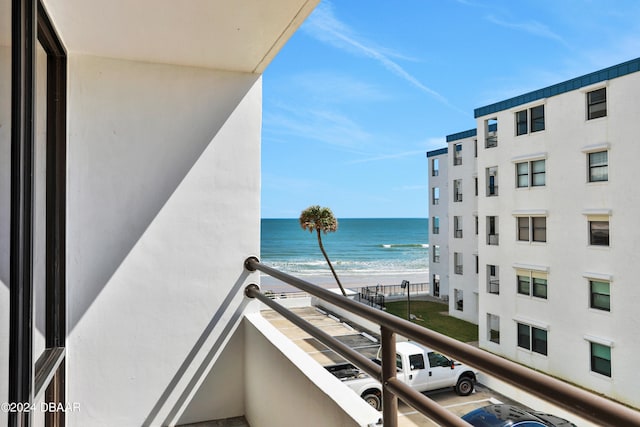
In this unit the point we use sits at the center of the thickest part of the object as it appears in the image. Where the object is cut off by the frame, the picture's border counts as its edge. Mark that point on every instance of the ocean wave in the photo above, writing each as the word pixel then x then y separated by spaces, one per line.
pixel 405 245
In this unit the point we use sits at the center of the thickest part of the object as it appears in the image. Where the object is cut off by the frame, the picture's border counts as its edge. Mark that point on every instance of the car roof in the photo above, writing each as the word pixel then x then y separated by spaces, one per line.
pixel 411 347
pixel 500 416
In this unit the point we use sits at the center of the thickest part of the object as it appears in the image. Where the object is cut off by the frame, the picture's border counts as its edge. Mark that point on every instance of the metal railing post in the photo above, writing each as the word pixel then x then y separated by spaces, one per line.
pixel 389 399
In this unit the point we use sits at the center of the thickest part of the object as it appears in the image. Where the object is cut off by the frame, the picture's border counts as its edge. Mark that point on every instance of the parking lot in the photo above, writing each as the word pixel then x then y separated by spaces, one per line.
pixel 367 344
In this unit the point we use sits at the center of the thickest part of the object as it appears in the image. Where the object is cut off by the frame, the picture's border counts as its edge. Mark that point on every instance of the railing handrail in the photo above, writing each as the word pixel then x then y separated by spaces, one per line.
pixel 590 406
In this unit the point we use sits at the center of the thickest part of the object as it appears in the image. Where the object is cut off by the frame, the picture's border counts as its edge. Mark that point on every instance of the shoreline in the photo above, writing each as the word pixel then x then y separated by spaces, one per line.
pixel 354 281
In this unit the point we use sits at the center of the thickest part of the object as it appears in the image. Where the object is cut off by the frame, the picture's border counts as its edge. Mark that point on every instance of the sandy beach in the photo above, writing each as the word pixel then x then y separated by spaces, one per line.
pixel 354 281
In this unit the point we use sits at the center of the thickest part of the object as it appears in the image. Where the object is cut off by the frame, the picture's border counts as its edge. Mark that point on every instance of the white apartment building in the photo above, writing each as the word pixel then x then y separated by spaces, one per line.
pixel 454 251
pixel 559 240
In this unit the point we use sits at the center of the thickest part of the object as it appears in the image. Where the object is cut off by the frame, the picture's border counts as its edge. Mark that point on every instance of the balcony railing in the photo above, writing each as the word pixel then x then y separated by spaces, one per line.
pixel 492 239
pixel 457 197
pixel 457 269
pixel 593 407
pixel 492 190
pixel 436 201
pixel 494 285
pixel 491 141
pixel 457 161
pixel 436 230
pixel 457 234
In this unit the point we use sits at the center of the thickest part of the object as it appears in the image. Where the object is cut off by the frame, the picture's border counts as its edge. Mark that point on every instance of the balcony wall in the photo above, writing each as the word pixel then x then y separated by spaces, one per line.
pixel 284 385
pixel 163 208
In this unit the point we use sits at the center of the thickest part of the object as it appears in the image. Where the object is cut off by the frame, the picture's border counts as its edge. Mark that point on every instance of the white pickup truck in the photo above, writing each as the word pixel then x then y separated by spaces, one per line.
pixel 417 366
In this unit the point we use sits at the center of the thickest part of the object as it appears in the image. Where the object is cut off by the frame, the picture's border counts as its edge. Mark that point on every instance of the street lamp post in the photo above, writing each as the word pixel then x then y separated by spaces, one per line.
pixel 405 284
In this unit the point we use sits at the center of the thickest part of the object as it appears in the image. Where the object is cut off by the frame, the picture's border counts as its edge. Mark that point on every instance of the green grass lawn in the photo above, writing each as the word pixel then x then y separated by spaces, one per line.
pixel 433 315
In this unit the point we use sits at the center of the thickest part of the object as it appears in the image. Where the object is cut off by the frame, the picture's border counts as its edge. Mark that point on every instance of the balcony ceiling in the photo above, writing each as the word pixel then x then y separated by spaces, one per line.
pixel 238 35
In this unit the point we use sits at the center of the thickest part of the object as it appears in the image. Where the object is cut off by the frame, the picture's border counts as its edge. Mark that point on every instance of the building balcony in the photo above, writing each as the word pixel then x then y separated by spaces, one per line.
pixel 493 239
pixel 570 398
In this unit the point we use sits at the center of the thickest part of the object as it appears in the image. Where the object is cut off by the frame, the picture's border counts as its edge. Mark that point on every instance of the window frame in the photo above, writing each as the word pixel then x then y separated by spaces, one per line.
pixel 594 359
pixel 590 167
pixel 593 295
pixel 526 339
pixel 532 175
pixel 530 120
pixel 532 283
pixel 592 236
pixel 593 113
pixel 534 232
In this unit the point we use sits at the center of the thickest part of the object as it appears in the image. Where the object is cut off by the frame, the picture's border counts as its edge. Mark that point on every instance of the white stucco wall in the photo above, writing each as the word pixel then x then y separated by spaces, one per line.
pixel 162 209
pixel 277 371
pixel 567 254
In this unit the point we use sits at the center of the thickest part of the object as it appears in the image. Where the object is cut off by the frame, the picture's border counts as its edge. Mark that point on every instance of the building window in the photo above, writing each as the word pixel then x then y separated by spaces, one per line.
pixel 601 359
pixel 531 120
pixel 600 295
pixel 493 281
pixel 435 225
pixel 492 181
pixel 457 262
pixel 457 190
pixel 599 233
pixel 457 154
pixel 475 148
pixel 532 283
pixel 457 227
pixel 537 118
pixel 476 184
pixel 493 328
pixel 598 166
pixel 435 195
pixel 436 253
pixel 597 104
pixel 477 264
pixel 491 132
pixel 532 228
pixel 492 230
pixel 459 299
pixel 521 122
pixel 531 174
pixel 435 167
pixel 532 338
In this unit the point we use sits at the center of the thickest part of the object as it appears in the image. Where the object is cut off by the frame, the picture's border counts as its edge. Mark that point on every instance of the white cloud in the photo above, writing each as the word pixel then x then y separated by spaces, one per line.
pixel 532 27
pixel 324 26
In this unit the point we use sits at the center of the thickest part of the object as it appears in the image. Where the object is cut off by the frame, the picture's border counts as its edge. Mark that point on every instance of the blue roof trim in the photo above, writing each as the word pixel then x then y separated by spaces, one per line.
pixel 462 135
pixel 437 152
pixel 613 72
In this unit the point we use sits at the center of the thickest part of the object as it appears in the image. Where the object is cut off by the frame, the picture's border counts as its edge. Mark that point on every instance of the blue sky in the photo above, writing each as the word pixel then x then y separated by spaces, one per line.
pixel 364 89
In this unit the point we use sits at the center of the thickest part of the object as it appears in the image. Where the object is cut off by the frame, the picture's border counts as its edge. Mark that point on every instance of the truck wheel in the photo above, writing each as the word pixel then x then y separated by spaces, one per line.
pixel 464 386
pixel 373 399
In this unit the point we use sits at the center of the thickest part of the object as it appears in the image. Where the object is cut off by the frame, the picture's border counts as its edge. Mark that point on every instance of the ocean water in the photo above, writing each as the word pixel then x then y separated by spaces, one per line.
pixel 358 247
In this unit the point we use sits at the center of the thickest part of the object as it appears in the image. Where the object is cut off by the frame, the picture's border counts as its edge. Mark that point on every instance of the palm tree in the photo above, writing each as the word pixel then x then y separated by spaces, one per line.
pixel 321 219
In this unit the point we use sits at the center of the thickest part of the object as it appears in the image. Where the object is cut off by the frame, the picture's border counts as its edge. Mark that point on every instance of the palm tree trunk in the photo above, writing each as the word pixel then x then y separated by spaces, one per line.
pixel 329 262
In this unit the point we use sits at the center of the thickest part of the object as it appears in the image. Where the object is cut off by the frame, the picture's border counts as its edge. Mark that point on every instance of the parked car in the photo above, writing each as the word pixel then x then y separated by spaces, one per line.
pixel 417 366
pixel 512 416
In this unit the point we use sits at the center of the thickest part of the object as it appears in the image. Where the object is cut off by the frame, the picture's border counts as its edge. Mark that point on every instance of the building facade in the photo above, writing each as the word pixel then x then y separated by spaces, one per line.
pixel 557 230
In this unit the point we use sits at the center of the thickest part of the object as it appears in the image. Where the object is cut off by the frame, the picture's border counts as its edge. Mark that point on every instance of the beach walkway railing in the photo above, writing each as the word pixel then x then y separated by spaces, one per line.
pixel 587 405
